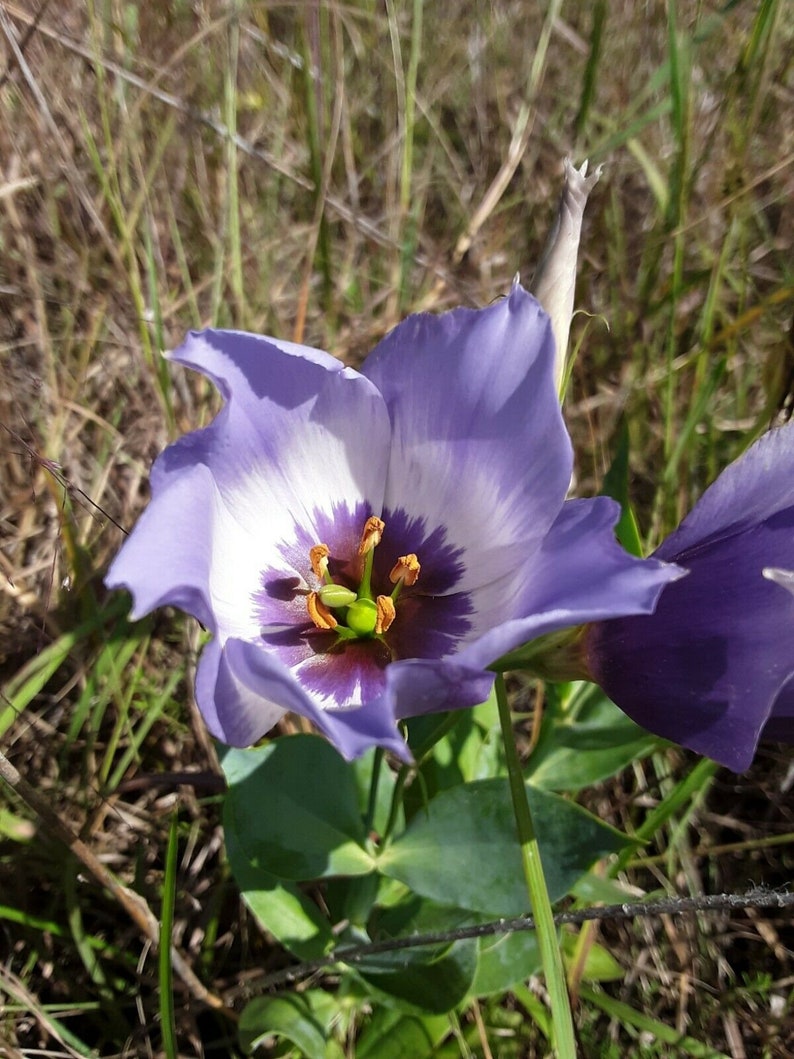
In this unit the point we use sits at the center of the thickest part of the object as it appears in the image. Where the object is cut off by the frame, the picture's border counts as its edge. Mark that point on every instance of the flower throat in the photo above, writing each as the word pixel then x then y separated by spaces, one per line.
pixel 359 615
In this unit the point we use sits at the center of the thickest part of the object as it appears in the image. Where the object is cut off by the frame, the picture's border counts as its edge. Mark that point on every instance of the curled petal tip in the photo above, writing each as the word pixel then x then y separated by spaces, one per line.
pixel 555 280
pixel 577 182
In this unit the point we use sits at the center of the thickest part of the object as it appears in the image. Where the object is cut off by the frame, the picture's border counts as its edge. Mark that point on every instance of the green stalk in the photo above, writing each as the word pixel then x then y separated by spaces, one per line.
pixel 372 803
pixel 165 969
pixel 563 1037
pixel 396 802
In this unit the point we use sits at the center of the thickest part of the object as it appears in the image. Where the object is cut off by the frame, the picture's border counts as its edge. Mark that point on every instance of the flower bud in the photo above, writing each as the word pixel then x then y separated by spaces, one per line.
pixel 555 279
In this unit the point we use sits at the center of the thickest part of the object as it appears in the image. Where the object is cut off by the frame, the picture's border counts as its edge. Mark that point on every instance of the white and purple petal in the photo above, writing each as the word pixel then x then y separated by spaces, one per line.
pixel 479 448
pixel 579 574
pixel 256 674
pixel 244 498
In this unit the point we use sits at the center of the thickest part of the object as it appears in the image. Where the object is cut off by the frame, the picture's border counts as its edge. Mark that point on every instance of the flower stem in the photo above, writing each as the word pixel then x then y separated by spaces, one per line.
pixel 562 1022
pixel 396 802
pixel 372 803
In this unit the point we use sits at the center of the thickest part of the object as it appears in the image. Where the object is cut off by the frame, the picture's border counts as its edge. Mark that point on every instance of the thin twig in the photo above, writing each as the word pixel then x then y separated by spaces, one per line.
pixel 672 906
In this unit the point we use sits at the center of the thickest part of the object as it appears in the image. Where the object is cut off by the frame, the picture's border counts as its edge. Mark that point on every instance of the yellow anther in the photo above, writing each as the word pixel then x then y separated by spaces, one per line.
pixel 373 531
pixel 318 557
pixel 405 571
pixel 386 613
pixel 319 613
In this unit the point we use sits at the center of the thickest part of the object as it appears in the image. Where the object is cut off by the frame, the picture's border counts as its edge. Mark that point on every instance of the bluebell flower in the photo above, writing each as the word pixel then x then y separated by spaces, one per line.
pixel 713 667
pixel 363 545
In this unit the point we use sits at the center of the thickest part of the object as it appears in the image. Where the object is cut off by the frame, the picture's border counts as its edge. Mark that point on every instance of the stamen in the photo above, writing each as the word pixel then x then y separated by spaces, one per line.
pixel 318 557
pixel 373 531
pixel 371 535
pixel 319 613
pixel 386 613
pixel 405 571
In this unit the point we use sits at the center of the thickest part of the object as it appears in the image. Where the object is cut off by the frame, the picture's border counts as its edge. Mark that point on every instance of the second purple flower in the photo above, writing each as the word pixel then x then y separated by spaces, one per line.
pixel 713 667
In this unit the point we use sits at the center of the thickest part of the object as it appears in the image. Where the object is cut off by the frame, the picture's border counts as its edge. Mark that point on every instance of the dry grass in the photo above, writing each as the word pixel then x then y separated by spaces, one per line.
pixel 268 166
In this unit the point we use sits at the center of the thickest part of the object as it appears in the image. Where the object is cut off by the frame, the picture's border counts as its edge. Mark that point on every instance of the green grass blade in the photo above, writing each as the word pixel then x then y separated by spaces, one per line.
pixel 164 966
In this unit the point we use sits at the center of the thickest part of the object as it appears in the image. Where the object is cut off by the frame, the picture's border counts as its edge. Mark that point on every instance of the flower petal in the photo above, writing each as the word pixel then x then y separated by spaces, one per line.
pixel 288 442
pixel 479 447
pixel 754 488
pixel 167 558
pixel 259 676
pixel 780 725
pixel 579 574
pixel 421 686
pixel 708 668
pixel 281 459
pixel 232 711
pixel 554 282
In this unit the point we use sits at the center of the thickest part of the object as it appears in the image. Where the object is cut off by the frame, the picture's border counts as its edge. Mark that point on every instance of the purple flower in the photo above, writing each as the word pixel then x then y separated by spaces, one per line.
pixel 712 667
pixel 363 545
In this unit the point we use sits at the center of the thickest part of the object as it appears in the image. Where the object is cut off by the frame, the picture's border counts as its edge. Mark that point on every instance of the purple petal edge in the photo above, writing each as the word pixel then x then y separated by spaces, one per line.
pixel 712 668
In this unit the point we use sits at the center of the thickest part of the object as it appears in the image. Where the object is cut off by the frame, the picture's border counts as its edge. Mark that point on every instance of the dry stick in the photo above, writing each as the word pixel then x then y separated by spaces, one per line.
pixel 673 906
pixel 133 904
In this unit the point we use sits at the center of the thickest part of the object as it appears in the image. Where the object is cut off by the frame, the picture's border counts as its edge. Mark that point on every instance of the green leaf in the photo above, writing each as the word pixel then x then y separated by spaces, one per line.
pixel 362 774
pixel 600 965
pixel 304 1019
pixel 280 907
pixel 663 1034
pixel 391 1034
pixel 584 739
pixel 435 987
pixel 293 808
pixel 592 888
pixel 351 899
pixel 464 850
pixel 471 749
pixel 428 978
pixel 504 960
pixel 411 916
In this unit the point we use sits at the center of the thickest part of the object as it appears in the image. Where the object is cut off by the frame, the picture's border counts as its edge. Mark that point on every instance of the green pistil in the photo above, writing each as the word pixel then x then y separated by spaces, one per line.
pixel 365 588
pixel 362 616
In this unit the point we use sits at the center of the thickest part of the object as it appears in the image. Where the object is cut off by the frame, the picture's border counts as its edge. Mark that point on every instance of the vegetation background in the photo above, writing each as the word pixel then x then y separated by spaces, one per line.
pixel 316 171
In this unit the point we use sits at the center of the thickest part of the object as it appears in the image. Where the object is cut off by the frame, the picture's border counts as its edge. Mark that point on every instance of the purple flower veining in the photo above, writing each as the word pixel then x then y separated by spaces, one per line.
pixel 363 545
pixel 712 668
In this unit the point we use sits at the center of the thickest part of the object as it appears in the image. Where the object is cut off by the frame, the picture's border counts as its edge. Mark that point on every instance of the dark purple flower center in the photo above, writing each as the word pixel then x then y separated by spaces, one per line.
pixel 360 594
